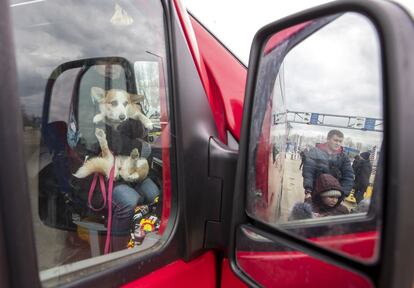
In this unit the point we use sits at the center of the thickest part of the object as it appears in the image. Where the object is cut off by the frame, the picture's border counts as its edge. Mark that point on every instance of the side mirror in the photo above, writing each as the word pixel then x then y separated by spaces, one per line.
pixel 316 80
pixel 325 87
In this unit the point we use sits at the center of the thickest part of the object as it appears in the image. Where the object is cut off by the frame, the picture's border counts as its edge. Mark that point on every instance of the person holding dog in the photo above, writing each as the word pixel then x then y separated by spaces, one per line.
pixel 123 134
pixel 328 158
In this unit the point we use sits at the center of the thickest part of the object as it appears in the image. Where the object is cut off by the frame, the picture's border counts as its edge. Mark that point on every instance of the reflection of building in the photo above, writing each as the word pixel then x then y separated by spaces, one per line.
pixel 336 121
pixel 351 152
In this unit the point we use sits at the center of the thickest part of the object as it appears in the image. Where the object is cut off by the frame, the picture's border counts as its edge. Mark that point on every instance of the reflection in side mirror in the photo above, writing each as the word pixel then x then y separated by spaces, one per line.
pixel 317 131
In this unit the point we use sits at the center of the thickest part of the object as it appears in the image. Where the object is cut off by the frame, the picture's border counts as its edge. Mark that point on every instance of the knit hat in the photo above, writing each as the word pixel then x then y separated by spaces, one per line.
pixel 327 183
pixel 365 155
pixel 331 193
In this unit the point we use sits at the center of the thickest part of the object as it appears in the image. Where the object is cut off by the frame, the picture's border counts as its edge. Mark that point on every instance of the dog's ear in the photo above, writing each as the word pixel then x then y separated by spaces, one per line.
pixel 97 94
pixel 136 98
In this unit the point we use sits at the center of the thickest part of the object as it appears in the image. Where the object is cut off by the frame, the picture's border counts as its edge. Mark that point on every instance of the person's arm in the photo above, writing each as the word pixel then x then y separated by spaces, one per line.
pixel 364 174
pixel 308 173
pixel 133 135
pixel 347 181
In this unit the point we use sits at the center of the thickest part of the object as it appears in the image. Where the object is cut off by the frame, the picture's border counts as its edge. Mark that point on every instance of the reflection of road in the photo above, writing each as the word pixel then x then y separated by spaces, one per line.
pixel 292 187
pixel 49 242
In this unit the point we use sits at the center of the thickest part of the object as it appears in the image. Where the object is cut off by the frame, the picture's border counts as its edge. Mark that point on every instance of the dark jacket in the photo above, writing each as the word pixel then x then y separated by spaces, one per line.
pixel 323 183
pixel 355 163
pixel 121 140
pixel 315 206
pixel 127 136
pixel 308 210
pixel 362 173
pixel 319 161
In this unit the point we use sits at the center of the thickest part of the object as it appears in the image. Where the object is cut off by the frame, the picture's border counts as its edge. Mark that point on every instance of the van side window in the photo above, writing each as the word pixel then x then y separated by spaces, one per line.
pixel 92 80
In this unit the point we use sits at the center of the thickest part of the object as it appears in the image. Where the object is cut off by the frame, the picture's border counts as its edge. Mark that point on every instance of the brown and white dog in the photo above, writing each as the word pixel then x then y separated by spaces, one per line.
pixel 130 168
pixel 117 105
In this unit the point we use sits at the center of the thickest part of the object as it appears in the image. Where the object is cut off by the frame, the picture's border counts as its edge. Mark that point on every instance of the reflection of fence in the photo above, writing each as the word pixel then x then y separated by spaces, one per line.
pixel 336 121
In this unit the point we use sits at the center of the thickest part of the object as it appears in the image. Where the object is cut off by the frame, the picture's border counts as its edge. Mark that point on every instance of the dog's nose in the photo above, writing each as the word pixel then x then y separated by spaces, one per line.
pixel 122 117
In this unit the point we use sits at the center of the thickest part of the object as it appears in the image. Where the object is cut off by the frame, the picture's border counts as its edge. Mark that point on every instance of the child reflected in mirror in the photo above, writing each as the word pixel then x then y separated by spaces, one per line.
pixel 326 200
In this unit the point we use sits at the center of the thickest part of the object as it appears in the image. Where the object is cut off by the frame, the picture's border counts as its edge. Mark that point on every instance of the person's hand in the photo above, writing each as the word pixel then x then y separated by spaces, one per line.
pixel 308 195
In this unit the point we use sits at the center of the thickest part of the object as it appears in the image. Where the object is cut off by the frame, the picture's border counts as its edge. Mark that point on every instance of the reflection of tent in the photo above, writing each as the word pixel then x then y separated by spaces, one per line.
pixel 351 152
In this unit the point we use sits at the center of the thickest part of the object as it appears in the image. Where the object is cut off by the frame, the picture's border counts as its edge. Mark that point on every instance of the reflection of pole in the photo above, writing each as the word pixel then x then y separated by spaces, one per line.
pixel 373 154
pixel 161 87
pixel 160 72
pixel 165 146
pixel 288 127
pixel 153 54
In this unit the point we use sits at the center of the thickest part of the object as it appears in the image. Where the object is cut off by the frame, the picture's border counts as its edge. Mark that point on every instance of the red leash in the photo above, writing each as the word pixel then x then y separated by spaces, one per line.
pixel 103 192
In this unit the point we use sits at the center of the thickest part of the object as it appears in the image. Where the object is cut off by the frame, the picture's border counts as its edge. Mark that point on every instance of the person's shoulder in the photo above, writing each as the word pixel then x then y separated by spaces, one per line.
pixel 314 151
pixel 131 126
pixel 341 209
pixel 130 123
pixel 344 158
pixel 301 211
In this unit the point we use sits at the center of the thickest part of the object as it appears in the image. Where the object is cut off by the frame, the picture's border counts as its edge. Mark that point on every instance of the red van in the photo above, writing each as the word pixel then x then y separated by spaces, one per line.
pixel 227 199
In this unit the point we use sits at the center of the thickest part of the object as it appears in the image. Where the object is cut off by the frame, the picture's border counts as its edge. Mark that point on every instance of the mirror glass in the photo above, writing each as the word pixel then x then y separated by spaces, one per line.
pixel 317 132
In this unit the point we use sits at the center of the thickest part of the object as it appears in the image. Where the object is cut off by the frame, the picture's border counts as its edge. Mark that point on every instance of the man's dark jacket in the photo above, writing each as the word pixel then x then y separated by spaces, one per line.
pixel 319 161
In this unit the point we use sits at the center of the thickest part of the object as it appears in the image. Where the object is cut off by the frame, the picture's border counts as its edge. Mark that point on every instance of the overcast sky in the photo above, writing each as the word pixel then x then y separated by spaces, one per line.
pixel 348 82
pixel 337 70
pixel 50 33
pixel 235 22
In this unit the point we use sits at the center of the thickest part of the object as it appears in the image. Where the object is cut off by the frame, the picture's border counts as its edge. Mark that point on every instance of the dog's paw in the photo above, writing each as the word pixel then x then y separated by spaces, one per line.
pixel 133 177
pixel 149 125
pixel 98 119
pixel 99 133
pixel 134 153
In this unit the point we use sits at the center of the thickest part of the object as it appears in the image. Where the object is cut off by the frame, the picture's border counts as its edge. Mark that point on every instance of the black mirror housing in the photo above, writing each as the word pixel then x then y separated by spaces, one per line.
pixel 396 35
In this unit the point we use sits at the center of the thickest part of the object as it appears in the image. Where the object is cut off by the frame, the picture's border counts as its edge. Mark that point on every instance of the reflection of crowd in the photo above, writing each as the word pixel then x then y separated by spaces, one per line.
pixel 328 179
pixel 325 200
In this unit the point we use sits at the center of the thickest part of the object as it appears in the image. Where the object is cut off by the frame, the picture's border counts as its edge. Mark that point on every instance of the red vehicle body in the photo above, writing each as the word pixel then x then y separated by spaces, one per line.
pixel 224 78
pixel 205 262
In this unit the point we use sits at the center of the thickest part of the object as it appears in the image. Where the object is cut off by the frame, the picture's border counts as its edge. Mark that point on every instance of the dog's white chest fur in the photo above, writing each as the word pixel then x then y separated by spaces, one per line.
pixel 117 105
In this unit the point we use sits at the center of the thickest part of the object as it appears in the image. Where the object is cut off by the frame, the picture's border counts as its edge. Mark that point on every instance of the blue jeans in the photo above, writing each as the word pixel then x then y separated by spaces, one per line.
pixel 124 201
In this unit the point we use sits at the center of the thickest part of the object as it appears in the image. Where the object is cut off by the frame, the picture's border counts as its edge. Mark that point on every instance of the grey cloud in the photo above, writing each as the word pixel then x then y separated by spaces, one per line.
pixel 49 33
pixel 336 70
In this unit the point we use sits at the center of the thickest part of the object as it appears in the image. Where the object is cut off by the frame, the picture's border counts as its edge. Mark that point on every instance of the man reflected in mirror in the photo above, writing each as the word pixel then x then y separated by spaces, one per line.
pixel 328 158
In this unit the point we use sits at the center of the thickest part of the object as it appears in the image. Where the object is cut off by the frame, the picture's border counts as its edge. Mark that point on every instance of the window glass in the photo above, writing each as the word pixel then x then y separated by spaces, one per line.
pixel 92 80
